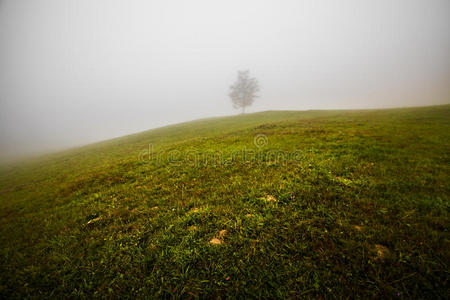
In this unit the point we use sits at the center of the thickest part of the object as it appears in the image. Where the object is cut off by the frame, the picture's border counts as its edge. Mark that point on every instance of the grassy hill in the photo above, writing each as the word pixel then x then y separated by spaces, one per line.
pixel 273 204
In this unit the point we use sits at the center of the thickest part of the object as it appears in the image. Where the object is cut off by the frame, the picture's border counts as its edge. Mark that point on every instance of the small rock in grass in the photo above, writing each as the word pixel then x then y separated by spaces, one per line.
pixel 215 241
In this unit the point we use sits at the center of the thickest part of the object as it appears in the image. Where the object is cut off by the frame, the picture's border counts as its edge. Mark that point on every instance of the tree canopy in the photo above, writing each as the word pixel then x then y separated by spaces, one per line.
pixel 243 91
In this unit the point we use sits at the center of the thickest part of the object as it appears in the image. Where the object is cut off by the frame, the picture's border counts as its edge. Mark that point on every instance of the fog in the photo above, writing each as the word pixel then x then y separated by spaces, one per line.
pixel 75 72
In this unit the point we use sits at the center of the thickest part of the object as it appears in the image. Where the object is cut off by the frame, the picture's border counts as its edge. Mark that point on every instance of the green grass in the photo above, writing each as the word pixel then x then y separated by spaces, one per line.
pixel 361 210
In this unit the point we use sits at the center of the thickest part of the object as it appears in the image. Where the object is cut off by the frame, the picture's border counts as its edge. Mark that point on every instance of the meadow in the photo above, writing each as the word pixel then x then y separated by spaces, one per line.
pixel 276 204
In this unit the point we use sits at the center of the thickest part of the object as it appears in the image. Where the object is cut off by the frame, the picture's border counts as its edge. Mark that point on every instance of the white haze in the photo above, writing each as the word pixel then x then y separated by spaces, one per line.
pixel 75 72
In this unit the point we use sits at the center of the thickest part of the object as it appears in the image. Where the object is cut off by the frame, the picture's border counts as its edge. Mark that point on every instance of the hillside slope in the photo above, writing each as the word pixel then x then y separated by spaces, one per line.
pixel 301 204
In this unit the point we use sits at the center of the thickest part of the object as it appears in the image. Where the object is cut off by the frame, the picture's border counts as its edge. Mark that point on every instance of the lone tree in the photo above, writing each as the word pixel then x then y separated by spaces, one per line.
pixel 243 91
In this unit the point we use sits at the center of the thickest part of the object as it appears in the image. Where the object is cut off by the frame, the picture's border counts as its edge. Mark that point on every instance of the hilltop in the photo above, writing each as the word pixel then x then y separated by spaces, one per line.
pixel 272 204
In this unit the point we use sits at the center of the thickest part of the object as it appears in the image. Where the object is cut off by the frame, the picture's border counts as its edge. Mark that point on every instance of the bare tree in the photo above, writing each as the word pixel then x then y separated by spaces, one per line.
pixel 243 91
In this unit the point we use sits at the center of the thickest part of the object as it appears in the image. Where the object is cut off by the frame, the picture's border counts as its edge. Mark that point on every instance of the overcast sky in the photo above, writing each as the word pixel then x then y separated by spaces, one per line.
pixel 74 72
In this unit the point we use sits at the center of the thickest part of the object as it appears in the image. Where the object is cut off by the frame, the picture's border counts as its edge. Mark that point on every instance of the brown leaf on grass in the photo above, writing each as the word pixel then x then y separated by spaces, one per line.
pixel 357 227
pixel 271 198
pixel 382 251
pixel 193 228
pixel 193 210
pixel 222 233
pixel 155 208
pixel 268 198
pixel 215 241
pixel 92 221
